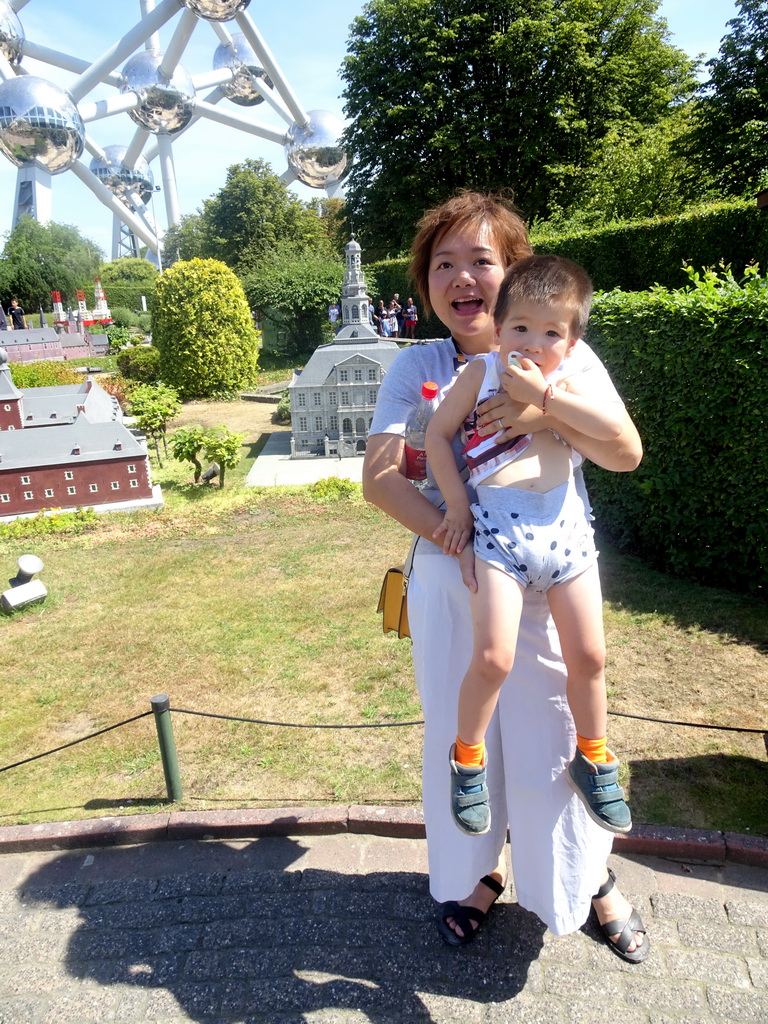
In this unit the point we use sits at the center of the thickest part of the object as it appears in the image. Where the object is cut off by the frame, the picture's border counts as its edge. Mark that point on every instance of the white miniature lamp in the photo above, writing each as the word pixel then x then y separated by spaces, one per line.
pixel 24 590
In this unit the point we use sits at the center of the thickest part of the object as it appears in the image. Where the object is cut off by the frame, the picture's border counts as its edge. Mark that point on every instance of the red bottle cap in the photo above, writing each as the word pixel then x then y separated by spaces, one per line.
pixel 429 390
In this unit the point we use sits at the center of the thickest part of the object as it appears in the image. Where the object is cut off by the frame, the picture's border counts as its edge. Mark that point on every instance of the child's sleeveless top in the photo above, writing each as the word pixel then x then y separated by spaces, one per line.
pixel 484 455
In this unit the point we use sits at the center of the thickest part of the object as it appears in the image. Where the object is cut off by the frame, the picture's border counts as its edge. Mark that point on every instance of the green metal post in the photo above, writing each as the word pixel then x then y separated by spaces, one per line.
pixel 161 706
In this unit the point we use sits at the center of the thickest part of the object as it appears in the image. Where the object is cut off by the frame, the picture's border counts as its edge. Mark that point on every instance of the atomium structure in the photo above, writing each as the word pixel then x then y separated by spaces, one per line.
pixel 44 128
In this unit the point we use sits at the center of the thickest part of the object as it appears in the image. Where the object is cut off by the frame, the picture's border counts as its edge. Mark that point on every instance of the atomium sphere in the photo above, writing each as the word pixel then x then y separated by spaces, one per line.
pixel 39 124
pixel 164 107
pixel 11 34
pixel 244 62
pixel 121 180
pixel 314 152
pixel 216 10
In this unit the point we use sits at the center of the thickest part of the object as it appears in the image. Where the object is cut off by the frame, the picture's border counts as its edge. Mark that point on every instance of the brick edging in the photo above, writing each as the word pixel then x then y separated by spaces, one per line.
pixel 672 843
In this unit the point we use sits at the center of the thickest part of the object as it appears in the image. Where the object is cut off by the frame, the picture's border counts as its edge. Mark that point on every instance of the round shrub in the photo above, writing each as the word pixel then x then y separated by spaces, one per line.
pixel 202 326
pixel 123 317
pixel 140 363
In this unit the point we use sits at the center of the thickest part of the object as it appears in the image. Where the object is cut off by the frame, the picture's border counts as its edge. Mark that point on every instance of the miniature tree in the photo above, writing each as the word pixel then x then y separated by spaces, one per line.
pixel 154 405
pixel 186 445
pixel 223 447
pixel 203 328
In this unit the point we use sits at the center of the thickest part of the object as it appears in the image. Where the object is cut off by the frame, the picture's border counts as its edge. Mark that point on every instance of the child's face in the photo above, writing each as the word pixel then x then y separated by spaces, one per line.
pixel 541 333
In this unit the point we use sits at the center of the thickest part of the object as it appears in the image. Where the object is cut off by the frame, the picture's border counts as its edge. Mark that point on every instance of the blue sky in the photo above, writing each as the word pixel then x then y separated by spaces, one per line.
pixel 308 41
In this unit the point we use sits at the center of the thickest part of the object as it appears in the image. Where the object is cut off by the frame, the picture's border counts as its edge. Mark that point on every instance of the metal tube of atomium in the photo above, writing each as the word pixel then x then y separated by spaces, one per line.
pixel 280 82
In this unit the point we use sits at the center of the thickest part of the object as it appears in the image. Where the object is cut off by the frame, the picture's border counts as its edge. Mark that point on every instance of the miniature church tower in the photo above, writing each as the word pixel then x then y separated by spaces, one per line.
pixel 355 303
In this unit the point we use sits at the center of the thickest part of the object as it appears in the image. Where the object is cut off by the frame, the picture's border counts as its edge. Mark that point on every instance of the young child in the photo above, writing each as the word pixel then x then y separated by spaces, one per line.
pixel 531 528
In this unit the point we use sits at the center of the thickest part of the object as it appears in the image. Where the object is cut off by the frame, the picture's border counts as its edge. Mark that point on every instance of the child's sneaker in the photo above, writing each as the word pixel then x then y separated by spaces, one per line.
pixel 597 786
pixel 469 798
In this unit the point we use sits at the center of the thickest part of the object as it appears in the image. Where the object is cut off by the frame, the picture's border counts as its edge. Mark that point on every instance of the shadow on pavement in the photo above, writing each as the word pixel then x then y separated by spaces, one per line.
pixel 238 932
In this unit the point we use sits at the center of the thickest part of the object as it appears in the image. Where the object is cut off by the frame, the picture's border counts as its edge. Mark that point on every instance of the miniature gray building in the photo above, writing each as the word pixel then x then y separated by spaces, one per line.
pixel 67 446
pixel 333 397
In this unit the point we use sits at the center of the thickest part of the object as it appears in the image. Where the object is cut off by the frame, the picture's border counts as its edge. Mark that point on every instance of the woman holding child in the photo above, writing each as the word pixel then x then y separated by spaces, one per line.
pixel 460 255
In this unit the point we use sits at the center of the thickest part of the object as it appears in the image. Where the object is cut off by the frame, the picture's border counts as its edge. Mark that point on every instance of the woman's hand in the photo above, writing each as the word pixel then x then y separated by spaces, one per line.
pixel 502 413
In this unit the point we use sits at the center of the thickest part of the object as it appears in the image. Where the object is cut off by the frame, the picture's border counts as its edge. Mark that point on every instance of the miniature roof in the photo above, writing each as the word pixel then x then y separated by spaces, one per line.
pixel 34 336
pixel 39 404
pixel 323 359
pixel 29 449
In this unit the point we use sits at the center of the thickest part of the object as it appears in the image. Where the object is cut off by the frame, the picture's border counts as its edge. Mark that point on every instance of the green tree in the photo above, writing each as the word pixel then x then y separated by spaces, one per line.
pixel 203 328
pixel 729 140
pixel 224 448
pixel 493 94
pixel 140 363
pixel 253 213
pixel 184 241
pixel 41 258
pixel 293 289
pixel 186 445
pixel 154 405
pixel 126 280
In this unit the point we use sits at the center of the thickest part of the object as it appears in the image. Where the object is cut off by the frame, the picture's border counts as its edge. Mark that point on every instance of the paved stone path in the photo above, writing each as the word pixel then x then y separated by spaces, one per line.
pixel 340 929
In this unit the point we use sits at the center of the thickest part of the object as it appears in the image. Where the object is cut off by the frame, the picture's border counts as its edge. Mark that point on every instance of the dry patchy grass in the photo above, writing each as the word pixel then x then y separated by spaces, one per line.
pixel 260 603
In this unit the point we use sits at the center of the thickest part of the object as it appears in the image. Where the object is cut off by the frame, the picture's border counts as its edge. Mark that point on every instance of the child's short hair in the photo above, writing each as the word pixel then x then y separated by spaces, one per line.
pixel 463 210
pixel 545 279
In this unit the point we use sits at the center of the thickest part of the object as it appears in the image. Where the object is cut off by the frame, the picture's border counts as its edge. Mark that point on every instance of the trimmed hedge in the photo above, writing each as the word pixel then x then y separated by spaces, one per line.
pixel 637 255
pixel 692 367
pixel 632 256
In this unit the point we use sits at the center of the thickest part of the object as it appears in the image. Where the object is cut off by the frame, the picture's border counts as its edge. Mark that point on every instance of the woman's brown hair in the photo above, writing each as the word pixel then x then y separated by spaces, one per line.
pixel 464 210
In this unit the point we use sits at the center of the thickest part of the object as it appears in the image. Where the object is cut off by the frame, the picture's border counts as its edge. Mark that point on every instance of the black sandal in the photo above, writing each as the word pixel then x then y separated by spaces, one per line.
pixel 466 917
pixel 626 930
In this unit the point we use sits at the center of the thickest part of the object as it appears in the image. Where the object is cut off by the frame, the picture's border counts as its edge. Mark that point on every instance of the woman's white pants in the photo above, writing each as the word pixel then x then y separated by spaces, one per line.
pixel 558 853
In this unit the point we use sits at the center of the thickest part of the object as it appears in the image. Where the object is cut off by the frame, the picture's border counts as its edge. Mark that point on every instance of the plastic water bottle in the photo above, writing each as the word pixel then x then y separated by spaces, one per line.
pixel 415 436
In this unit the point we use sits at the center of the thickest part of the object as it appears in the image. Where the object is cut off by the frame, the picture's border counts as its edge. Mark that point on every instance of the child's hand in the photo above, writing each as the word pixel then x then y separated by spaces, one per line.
pixel 525 383
pixel 455 529
pixel 467 566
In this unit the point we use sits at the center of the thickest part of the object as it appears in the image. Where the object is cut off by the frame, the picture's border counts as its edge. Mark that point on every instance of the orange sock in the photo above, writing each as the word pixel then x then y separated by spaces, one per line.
pixel 594 750
pixel 470 755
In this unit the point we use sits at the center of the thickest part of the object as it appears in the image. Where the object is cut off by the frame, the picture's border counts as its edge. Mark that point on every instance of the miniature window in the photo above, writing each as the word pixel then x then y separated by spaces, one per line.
pixel 372 374
pixel 93 487
pixel 11 428
pixel 316 398
pixel 345 398
pixel 358 374
pixel 347 424
pixel 71 490
pixel 131 468
pixel 301 398
pixel 7 408
pixel 333 399
pixel 372 395
pixel 68 474
pixel 5 497
pixel 25 479
pixel 318 422
pixel 115 485
pixel 334 422
pixel 302 422
pixel 49 492
pixel 343 376
pixel 134 483
pixel 28 495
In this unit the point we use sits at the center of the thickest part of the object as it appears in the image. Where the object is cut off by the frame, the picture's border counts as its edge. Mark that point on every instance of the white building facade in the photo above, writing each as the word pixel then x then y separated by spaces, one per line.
pixel 333 397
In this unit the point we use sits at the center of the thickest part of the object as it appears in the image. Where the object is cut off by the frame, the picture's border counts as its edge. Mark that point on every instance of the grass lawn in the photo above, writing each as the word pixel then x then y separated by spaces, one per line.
pixel 260 603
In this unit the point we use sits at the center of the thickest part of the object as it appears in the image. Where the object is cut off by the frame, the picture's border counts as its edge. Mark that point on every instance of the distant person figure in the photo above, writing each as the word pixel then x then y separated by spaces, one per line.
pixel 400 315
pixel 394 331
pixel 18 316
pixel 334 313
pixel 411 315
pixel 382 314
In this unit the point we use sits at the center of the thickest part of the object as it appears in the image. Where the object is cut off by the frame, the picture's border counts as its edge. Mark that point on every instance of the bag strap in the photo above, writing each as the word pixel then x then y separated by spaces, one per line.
pixel 416 537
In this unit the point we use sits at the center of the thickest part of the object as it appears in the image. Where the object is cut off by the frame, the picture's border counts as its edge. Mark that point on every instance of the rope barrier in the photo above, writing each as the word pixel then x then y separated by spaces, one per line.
pixel 74 743
pixel 361 725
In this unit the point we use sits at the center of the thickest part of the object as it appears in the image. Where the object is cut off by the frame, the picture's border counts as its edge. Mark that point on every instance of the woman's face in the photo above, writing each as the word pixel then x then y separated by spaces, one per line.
pixel 465 273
